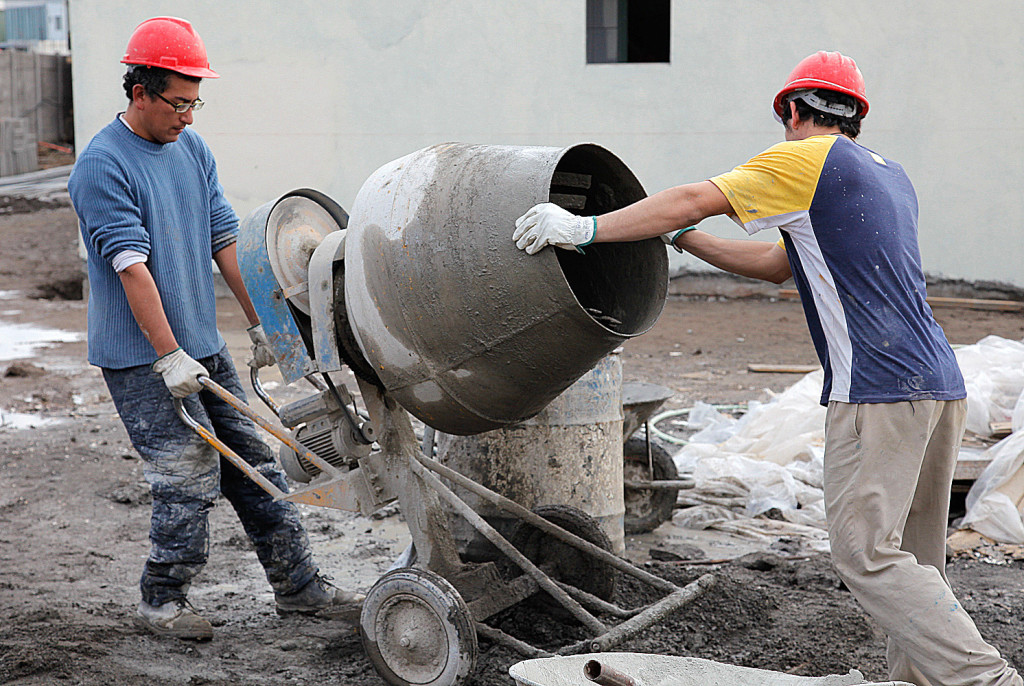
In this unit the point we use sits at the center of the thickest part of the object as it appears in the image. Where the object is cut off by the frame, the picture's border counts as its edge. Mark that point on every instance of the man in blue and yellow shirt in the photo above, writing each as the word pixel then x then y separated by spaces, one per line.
pixel 895 396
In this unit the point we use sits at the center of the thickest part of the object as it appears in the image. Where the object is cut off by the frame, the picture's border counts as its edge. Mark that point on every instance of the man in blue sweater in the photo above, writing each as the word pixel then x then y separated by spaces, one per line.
pixel 153 214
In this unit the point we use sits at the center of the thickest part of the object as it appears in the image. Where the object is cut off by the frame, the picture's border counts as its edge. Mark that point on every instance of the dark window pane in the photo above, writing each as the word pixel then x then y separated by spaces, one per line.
pixel 627 31
pixel 648 23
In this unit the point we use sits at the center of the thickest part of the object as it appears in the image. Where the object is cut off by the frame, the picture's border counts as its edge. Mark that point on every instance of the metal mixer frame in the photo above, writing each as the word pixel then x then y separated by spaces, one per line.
pixel 455 596
pixel 420 623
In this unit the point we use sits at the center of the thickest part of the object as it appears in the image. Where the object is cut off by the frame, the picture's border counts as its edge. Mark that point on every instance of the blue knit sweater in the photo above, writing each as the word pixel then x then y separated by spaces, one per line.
pixel 163 200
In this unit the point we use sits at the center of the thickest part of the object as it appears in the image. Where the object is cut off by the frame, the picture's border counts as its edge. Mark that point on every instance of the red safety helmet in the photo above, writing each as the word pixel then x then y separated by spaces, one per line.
pixel 169 43
pixel 829 70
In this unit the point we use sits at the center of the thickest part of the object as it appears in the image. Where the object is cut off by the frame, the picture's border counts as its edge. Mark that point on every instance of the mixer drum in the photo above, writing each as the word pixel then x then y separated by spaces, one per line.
pixel 465 330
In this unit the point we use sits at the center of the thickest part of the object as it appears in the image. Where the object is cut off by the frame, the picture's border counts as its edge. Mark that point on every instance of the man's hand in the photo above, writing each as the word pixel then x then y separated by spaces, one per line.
pixel 261 355
pixel 180 373
pixel 548 224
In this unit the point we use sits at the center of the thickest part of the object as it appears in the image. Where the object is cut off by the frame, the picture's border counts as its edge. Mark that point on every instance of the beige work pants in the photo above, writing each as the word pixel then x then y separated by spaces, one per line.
pixel 888 471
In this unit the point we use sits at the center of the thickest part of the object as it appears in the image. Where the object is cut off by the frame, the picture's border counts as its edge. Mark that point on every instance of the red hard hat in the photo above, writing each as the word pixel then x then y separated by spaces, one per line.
pixel 169 43
pixel 829 70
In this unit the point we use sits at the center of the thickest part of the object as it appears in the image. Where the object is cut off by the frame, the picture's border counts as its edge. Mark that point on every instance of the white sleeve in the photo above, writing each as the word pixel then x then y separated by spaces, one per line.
pixel 127 258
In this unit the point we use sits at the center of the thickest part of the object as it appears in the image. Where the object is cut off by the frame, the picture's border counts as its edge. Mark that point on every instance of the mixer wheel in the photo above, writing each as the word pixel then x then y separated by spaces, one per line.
pixel 416 629
pixel 646 509
pixel 560 560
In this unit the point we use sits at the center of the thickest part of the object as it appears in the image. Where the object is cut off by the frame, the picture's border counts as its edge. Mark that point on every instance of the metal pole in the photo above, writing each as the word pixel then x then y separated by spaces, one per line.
pixel 499 636
pixel 605 675
pixel 650 616
pixel 544 525
pixel 524 563
pixel 232 457
pixel 660 485
pixel 283 436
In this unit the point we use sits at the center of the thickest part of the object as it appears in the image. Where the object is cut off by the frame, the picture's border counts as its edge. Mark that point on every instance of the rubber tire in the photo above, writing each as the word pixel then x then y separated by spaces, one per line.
pixel 433 598
pixel 572 566
pixel 647 509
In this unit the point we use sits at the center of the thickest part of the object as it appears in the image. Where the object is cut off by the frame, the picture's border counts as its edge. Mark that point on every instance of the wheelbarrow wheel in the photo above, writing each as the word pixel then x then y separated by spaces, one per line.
pixel 561 561
pixel 647 508
pixel 417 629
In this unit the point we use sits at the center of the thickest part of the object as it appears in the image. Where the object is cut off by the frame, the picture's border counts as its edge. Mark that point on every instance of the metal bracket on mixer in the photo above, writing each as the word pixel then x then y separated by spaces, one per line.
pixel 322 302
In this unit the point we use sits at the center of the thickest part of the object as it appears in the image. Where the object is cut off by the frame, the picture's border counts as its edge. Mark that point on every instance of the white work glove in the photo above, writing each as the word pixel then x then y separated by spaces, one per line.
pixel 548 224
pixel 670 237
pixel 180 373
pixel 261 355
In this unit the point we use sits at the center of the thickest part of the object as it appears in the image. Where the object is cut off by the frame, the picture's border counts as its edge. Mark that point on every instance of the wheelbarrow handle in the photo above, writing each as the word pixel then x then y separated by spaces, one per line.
pixel 233 457
pixel 261 393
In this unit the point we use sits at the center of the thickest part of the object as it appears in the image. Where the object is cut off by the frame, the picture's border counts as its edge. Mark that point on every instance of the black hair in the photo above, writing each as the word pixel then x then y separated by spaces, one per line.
pixel 848 126
pixel 153 79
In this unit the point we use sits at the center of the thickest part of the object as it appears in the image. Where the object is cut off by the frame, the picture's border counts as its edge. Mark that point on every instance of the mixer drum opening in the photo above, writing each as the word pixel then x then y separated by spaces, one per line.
pixel 611 281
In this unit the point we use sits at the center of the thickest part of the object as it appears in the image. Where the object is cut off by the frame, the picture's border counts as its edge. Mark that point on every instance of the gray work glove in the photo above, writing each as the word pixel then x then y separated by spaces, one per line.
pixel 180 373
pixel 548 224
pixel 261 355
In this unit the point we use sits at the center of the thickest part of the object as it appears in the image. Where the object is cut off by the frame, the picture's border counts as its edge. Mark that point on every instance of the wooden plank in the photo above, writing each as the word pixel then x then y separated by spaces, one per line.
pixel 939 301
pixel 1000 429
pixel 969 469
pixel 977 304
pixel 783 368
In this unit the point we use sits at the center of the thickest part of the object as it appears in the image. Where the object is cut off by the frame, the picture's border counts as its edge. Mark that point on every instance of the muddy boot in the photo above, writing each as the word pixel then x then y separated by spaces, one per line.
pixel 322 599
pixel 175 618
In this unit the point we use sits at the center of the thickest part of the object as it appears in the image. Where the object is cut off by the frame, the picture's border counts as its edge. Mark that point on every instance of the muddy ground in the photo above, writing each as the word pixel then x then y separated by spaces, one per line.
pixel 74 514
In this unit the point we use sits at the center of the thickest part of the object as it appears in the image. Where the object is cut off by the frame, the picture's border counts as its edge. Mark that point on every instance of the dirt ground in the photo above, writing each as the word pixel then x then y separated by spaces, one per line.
pixel 74 513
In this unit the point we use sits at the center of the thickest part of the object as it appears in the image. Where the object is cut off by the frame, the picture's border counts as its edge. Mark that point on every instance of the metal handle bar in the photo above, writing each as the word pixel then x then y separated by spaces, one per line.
pixel 233 457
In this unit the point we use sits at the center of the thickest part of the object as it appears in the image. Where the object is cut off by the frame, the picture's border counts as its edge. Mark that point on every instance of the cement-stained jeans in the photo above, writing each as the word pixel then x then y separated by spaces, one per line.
pixel 888 472
pixel 186 475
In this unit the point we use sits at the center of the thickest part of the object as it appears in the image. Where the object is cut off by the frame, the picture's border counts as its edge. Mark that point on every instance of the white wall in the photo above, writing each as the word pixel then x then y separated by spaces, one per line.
pixel 322 93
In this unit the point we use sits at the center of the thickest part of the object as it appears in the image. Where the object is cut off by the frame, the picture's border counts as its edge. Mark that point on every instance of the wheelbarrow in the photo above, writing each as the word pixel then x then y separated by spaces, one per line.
pixel 651 482
pixel 640 669
pixel 419 624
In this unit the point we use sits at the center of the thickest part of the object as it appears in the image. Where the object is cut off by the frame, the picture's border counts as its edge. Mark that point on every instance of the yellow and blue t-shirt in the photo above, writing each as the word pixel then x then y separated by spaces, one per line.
pixel 849 221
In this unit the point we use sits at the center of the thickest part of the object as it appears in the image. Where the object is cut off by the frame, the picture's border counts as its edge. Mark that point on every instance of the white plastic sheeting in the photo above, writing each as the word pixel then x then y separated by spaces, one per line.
pixel 993 370
pixel 771 458
pixel 995 503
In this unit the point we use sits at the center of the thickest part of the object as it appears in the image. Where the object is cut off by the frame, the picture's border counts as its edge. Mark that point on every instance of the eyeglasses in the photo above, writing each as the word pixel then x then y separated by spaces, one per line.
pixel 183 107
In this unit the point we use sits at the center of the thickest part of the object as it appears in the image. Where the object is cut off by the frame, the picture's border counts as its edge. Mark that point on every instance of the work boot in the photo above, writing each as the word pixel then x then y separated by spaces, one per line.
pixel 175 618
pixel 321 598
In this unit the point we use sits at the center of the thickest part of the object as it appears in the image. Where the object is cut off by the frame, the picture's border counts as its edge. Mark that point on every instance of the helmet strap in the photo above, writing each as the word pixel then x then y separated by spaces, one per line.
pixel 822 105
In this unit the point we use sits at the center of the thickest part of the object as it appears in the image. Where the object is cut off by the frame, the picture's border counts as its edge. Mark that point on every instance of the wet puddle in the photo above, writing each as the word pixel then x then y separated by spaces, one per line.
pixel 18 341
pixel 20 420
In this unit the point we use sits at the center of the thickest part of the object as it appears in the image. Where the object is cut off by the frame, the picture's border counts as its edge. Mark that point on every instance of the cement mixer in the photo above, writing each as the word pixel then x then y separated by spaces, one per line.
pixel 423 295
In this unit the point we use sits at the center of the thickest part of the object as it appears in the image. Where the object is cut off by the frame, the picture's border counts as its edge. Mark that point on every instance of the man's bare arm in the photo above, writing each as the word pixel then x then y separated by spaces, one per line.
pixel 227 261
pixel 147 307
pixel 754 259
pixel 670 210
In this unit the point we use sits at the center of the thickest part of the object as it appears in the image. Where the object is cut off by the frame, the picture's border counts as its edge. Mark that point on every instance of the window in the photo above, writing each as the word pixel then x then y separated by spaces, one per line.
pixel 627 31
pixel 26 23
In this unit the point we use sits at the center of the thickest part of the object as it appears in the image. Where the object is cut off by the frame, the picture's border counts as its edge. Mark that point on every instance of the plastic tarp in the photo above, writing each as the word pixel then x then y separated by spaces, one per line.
pixel 770 460
pixel 993 370
pixel 995 503
pixel 767 461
